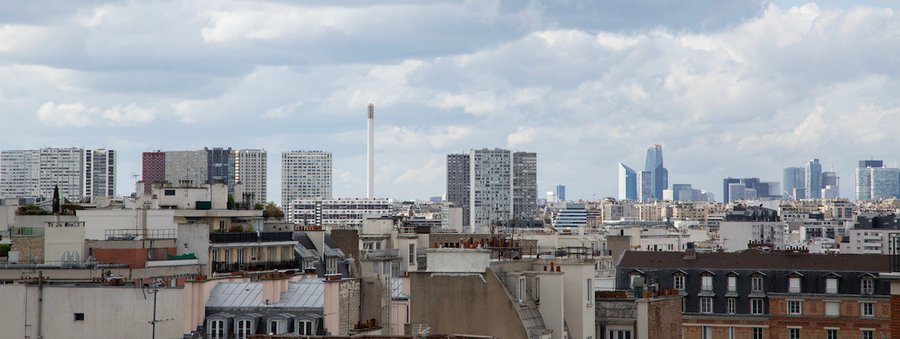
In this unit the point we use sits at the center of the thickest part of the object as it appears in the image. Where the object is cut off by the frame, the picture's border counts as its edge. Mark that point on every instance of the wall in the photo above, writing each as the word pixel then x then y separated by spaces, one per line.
pixel 29 247
pixel 659 317
pixel 109 312
pixel 194 238
pixel 486 309
pixel 60 242
pixel 551 302
pixel 580 315
pixel 96 222
pixel 457 260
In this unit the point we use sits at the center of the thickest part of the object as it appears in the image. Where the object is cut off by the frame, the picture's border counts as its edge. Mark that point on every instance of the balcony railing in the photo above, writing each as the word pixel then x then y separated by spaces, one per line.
pixel 223 267
pixel 140 234
pixel 238 237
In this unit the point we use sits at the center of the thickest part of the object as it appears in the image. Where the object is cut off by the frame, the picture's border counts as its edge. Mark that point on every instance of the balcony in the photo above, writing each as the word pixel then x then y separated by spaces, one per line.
pixel 244 237
pixel 223 267
pixel 139 234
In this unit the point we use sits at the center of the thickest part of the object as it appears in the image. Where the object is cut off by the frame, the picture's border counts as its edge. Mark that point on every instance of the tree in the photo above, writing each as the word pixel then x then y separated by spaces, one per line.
pixel 56 204
pixel 272 211
pixel 231 204
pixel 31 210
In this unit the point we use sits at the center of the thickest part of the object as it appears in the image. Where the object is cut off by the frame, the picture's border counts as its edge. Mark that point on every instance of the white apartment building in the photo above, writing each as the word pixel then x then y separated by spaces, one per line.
pixel 250 169
pixel 20 174
pixel 490 187
pixel 100 173
pixel 182 166
pixel 305 175
pixel 336 212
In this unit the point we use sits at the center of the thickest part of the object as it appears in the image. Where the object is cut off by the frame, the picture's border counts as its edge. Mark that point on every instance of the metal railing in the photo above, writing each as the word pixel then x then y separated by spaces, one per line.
pixel 239 237
pixel 225 267
pixel 26 231
pixel 139 234
pixel 895 251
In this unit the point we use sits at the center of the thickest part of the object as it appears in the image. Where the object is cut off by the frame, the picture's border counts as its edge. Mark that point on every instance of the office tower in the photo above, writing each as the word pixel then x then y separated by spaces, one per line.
pixel 370 152
pixel 220 167
pixel 251 170
pixel 831 183
pixel 458 183
pixel 681 192
pixel 63 168
pixel 100 173
pixel 187 168
pixel 20 174
pixel 885 183
pixel 305 175
pixel 793 177
pixel 813 179
pixel 153 169
pixel 627 183
pixel 645 185
pixel 726 191
pixel 561 193
pixel 490 187
pixel 864 178
pixel 659 175
pixel 525 186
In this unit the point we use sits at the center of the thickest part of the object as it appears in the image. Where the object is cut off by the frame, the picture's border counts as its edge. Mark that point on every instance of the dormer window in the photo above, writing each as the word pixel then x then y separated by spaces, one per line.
pixel 831 285
pixel 756 283
pixel 707 283
pixel 867 285
pixel 794 283
pixel 732 284
pixel 678 281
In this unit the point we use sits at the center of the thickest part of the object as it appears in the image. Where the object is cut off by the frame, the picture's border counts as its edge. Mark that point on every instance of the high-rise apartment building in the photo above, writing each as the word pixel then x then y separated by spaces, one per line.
pixel 63 168
pixel 100 173
pixel 305 175
pixel 524 167
pixel 794 178
pixel 187 167
pixel 659 175
pixel 20 174
pixel 493 186
pixel 813 179
pixel 458 183
pixel 627 183
pixel 250 169
pixel 220 167
pixel 153 169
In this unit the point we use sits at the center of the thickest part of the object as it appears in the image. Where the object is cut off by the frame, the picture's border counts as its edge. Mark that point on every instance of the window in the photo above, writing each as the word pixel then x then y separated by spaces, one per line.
pixel 732 305
pixel 217 329
pixel 707 284
pixel 706 305
pixel 832 308
pixel 521 291
pixel 679 282
pixel 831 286
pixel 794 285
pixel 731 333
pixel 867 285
pixel 794 307
pixel 732 284
pixel 867 334
pixel 867 309
pixel 277 326
pixel 756 306
pixel 757 333
pixel 305 327
pixel 588 291
pixel 536 290
pixel 411 258
pixel 756 284
pixel 706 332
pixel 793 333
pixel 331 265
pixel 619 334
pixel 79 316
pixel 244 329
pixel 831 333
pixel 169 192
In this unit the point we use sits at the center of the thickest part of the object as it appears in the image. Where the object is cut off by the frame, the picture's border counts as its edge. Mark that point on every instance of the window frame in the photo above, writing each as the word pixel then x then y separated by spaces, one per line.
pixel 706 283
pixel 757 284
pixel 866 309
pixel 837 308
pixel 791 309
pixel 867 285
pixel 706 305
pixel 678 282
pixel 732 305
pixel 238 329
pixel 307 325
pixel 756 333
pixel 754 302
pixel 217 332
pixel 794 333
pixel 795 285
pixel 832 289
pixel 732 284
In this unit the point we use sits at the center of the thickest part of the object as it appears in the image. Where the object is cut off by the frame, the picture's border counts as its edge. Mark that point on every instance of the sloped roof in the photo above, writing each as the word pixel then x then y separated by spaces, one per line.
pixel 305 293
pixel 758 261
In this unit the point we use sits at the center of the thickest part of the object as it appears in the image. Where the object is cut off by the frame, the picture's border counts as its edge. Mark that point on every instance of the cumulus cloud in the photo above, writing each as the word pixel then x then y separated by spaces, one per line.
pixel 78 115
pixel 64 115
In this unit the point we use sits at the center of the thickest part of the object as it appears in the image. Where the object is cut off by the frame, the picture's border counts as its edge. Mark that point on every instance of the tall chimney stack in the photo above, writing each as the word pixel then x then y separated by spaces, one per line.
pixel 370 154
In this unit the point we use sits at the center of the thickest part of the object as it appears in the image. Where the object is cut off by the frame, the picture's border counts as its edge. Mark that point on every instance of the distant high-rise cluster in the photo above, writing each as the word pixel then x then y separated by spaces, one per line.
pixel 493 185
pixel 650 183
pixel 748 188
pixel 874 181
pixel 306 175
pixel 208 166
pixel 810 182
pixel 33 174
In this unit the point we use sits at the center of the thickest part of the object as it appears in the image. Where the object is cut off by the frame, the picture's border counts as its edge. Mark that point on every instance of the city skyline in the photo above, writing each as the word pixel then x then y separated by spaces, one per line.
pixel 697 79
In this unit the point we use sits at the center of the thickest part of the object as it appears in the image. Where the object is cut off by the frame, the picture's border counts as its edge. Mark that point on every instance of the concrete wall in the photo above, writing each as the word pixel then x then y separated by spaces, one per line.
pixel 551 301
pixel 109 312
pixel 96 222
pixel 659 317
pixel 579 310
pixel 485 310
pixel 194 238
pixel 457 260
pixel 60 242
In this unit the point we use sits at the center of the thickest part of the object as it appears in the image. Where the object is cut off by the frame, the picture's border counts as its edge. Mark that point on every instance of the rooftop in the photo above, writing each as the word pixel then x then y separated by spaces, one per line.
pixel 753 259
pixel 305 293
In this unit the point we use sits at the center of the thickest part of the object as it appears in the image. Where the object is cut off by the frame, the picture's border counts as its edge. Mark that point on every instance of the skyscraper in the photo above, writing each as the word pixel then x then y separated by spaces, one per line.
pixel 458 183
pixel 831 185
pixel 659 175
pixel 251 170
pixel 627 183
pixel 220 167
pixel 561 193
pixel 813 179
pixel 35 173
pixel 726 190
pixel 793 178
pixel 187 167
pixel 645 186
pixel 100 173
pixel 20 174
pixel 885 182
pixel 153 169
pixel 525 186
pixel 305 175
pixel 864 178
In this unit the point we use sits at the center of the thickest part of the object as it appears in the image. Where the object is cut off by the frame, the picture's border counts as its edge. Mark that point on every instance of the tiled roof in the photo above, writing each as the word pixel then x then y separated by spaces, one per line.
pixel 753 259
pixel 305 293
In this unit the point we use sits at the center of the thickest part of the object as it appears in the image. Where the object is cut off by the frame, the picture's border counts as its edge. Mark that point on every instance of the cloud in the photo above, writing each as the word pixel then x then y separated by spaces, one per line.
pixel 78 115
pixel 64 115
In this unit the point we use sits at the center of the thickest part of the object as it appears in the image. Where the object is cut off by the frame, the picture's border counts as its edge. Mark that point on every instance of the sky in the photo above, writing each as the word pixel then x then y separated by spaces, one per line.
pixel 728 88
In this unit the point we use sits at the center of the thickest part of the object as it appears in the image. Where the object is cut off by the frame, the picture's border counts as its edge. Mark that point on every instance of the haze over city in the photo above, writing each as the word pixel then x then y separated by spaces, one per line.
pixel 729 89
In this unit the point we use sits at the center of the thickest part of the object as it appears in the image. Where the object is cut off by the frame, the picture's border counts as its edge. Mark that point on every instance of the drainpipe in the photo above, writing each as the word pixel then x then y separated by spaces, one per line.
pixel 40 303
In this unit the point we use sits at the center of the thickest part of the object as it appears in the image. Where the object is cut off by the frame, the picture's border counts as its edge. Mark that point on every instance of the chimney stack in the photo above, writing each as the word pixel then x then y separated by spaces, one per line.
pixel 370 154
